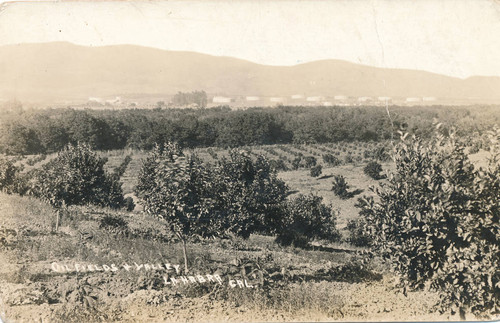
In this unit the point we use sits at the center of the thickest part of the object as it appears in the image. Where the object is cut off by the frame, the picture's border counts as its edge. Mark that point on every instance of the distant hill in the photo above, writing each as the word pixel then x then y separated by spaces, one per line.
pixel 55 71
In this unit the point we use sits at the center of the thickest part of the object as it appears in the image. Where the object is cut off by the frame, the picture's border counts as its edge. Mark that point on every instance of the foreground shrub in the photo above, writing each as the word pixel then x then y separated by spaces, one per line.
pixel 357 234
pixel 340 187
pixel 437 221
pixel 316 171
pixel 377 153
pixel 296 162
pixel 301 161
pixel 305 218
pixel 278 165
pixel 331 160
pixel 248 194
pixel 114 224
pixel 76 177
pixel 129 204
pixel 348 159
pixel 310 161
pixel 373 170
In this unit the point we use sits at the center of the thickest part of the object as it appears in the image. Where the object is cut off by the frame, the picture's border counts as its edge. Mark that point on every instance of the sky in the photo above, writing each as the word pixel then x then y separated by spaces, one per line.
pixel 459 38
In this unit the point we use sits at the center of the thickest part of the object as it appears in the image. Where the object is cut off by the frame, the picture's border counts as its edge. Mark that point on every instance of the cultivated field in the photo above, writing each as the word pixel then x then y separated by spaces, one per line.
pixel 79 272
pixel 352 157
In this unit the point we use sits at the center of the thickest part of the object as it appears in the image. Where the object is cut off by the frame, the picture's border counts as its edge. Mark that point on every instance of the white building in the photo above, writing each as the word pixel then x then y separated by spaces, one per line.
pixel 327 104
pixel 315 98
pixel 414 99
pixel 364 99
pixel 93 99
pixel 277 100
pixel 252 98
pixel 384 98
pixel 116 100
pixel 297 97
pixel 221 99
pixel 340 97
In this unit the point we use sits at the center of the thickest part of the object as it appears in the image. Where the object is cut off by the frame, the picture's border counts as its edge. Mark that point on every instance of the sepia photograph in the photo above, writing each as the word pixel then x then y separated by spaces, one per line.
pixel 249 161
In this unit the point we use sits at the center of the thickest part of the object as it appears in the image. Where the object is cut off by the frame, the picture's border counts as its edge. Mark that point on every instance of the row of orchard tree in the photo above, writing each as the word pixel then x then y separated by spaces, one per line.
pixel 237 195
pixel 436 220
pixel 48 131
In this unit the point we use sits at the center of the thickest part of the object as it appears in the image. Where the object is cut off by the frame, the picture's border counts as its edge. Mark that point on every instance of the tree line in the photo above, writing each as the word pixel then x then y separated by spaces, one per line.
pixel 47 131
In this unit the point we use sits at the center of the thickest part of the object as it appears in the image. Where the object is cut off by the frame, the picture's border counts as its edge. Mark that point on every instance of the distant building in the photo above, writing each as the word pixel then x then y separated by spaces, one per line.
pixel 252 98
pixel 364 99
pixel 116 100
pixel 414 99
pixel 221 99
pixel 93 99
pixel 277 100
pixel 340 97
pixel 384 98
pixel 327 104
pixel 315 98
pixel 297 97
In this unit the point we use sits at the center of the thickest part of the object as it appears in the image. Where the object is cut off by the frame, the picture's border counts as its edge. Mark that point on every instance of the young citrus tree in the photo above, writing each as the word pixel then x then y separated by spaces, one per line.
pixel 340 187
pixel 305 218
pixel 373 169
pixel 247 194
pixel 76 177
pixel 437 220
pixel 316 171
pixel 173 188
pixel 236 196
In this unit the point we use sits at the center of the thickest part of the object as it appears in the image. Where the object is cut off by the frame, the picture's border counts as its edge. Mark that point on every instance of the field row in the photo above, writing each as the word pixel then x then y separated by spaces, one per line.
pixel 293 163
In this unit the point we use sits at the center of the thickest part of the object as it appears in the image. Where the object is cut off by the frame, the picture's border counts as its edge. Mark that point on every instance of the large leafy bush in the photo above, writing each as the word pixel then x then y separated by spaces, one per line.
pixel 76 176
pixel 373 169
pixel 236 196
pixel 305 218
pixel 437 219
pixel 173 188
pixel 248 194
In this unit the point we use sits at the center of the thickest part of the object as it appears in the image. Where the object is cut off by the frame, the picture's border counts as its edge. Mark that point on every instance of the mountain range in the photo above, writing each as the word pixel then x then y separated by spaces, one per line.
pixel 60 70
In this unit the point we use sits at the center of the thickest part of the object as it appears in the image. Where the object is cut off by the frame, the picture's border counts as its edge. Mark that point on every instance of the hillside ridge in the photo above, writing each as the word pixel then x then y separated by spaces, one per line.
pixel 62 70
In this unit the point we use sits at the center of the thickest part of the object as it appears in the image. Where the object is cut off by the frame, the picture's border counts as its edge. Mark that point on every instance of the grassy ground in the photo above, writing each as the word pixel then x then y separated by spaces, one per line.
pixel 300 182
pixel 327 283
